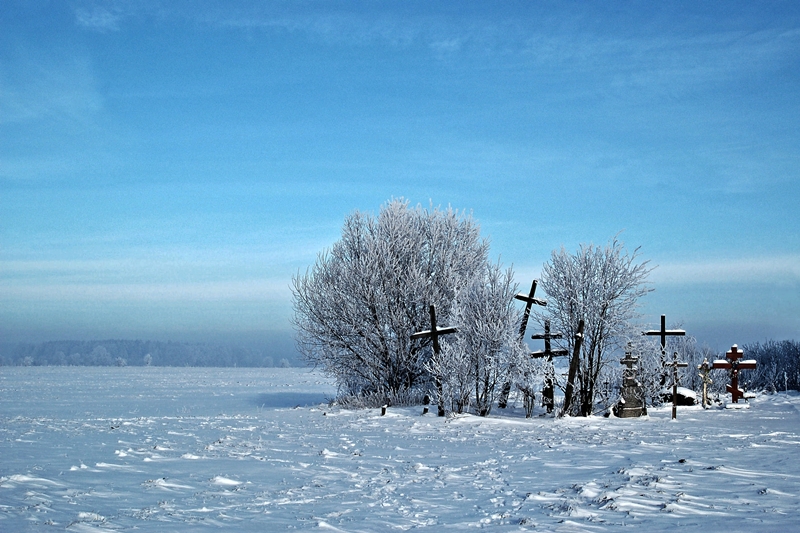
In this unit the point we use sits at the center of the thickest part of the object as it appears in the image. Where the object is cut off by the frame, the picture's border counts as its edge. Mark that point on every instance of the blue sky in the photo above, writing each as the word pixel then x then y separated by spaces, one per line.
pixel 166 167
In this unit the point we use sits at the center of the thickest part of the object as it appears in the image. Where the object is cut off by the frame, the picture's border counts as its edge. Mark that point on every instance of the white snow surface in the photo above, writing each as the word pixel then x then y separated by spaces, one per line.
pixel 200 449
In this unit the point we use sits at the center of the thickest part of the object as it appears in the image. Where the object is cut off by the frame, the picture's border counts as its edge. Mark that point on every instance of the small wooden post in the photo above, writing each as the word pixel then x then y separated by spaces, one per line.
pixel 434 334
pixel 573 369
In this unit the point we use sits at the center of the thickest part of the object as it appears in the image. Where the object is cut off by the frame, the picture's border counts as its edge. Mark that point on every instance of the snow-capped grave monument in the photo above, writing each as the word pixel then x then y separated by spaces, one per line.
pixel 705 371
pixel 529 300
pixel 434 334
pixel 733 366
pixel 548 392
pixel 631 405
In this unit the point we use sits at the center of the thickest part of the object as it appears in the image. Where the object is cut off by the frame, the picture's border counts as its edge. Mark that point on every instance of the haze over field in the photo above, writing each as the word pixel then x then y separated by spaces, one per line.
pixel 166 167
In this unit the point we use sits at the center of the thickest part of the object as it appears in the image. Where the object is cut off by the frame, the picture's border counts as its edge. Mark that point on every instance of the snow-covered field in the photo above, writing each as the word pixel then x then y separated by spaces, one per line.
pixel 191 449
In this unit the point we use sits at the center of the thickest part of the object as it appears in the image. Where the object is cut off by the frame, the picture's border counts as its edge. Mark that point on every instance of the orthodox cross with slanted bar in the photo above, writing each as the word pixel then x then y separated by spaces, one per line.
pixel 733 365
pixel 664 333
pixel 548 391
pixel 434 333
pixel 675 364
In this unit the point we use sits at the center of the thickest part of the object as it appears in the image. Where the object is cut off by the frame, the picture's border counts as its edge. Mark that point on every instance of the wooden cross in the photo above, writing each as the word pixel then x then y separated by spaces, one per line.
pixel 733 365
pixel 434 333
pixel 675 364
pixel 663 333
pixel 548 391
pixel 705 370
pixel 529 300
pixel 573 368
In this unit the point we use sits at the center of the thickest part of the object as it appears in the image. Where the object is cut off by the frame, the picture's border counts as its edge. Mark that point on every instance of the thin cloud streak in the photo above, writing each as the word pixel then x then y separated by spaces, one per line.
pixel 255 290
pixel 783 269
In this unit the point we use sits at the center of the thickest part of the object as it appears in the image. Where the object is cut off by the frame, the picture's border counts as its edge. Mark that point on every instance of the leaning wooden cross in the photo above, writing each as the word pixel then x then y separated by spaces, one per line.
pixel 529 300
pixel 573 369
pixel 434 333
pixel 675 364
pixel 733 365
pixel 664 333
pixel 548 391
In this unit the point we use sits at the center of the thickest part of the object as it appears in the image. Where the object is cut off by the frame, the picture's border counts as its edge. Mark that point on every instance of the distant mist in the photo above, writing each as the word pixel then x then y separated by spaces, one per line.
pixel 145 353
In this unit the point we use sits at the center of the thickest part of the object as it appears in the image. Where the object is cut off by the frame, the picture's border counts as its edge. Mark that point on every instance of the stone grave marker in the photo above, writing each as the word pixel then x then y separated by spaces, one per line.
pixel 632 404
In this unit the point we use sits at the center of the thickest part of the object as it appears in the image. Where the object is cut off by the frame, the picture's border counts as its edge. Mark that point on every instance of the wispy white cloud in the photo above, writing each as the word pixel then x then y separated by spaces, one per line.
pixel 778 270
pixel 99 18
pixel 268 291
pixel 34 86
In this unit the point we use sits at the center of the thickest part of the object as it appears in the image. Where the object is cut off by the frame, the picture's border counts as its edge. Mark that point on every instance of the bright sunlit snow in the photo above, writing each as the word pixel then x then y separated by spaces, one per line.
pixel 178 449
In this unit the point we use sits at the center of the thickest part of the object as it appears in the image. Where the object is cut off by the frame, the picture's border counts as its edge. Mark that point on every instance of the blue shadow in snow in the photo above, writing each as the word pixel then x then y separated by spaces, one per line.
pixel 289 399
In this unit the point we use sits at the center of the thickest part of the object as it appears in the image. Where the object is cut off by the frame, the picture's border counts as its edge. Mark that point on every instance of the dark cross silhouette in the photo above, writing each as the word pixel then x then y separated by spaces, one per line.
pixel 548 391
pixel 529 300
pixel 733 365
pixel 675 364
pixel 573 369
pixel 663 333
pixel 434 333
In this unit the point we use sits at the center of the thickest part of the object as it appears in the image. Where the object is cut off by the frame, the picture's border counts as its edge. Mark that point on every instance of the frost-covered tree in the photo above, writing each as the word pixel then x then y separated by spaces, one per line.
pixel 486 350
pixel 600 285
pixel 356 308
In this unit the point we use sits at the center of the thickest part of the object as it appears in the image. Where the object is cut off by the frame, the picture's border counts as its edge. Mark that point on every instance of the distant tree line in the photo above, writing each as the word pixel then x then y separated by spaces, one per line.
pixel 135 353
pixel 778 366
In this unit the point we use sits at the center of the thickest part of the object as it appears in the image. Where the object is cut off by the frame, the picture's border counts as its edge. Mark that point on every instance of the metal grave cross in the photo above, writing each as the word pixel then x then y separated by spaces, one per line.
pixel 733 365
pixel 548 391
pixel 502 400
pixel 663 333
pixel 434 333
pixel 675 364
